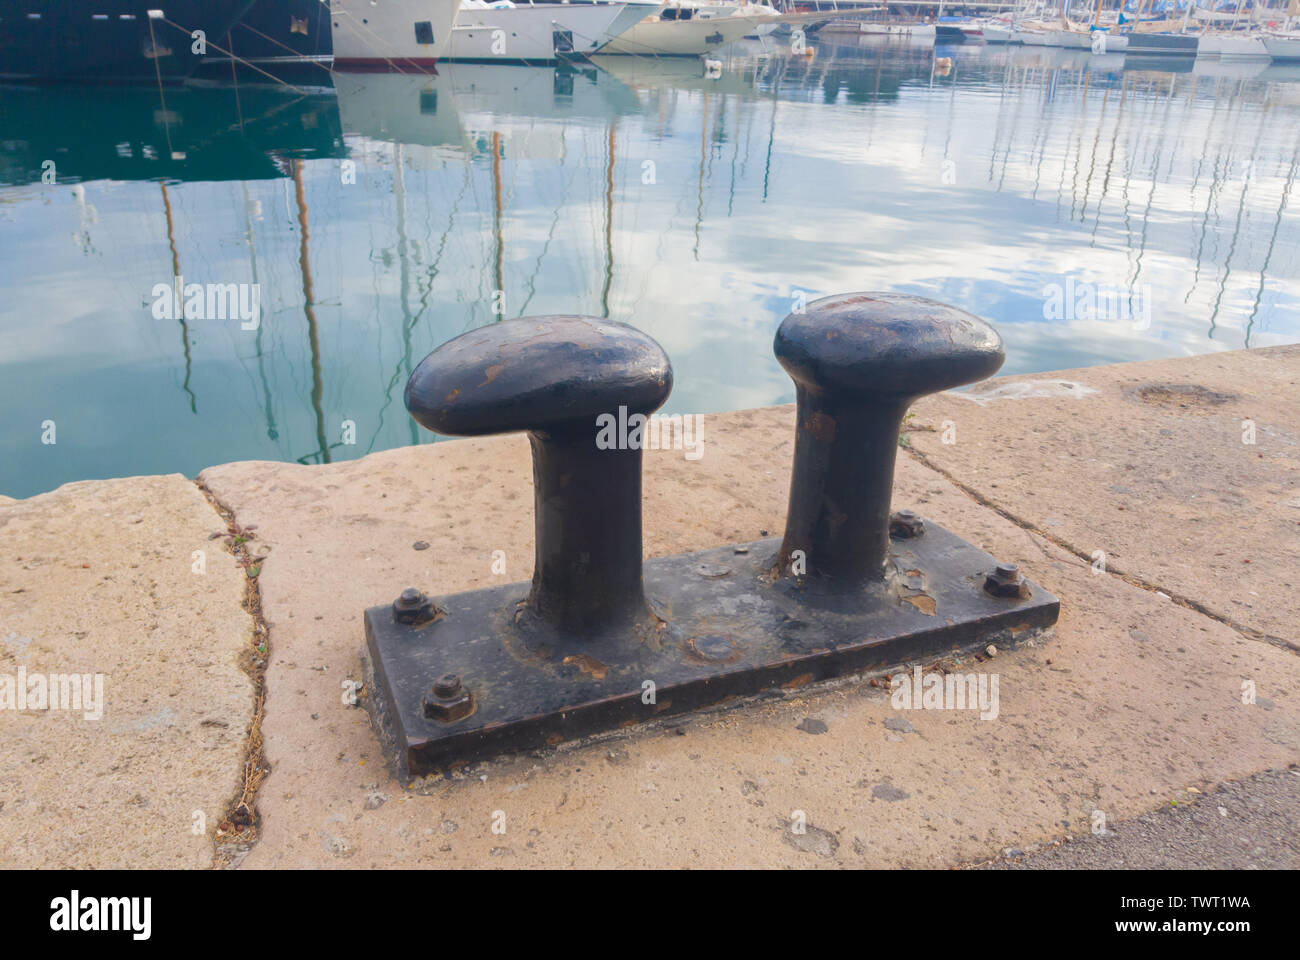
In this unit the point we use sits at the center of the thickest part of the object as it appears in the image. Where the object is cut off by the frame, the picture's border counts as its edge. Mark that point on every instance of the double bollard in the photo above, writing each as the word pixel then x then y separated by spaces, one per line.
pixel 600 639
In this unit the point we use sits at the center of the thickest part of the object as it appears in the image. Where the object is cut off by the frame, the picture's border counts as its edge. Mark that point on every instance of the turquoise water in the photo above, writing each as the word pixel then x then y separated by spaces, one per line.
pixel 699 210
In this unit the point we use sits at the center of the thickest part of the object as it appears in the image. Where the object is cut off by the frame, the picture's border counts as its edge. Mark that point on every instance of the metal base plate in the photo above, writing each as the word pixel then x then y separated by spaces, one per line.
pixel 722 627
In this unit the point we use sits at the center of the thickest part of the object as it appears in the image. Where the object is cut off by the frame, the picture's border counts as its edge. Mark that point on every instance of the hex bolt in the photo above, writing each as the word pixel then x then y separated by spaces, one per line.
pixel 1006 581
pixel 448 701
pixel 447 686
pixel 858 361
pixel 558 378
pixel 906 525
pixel 413 607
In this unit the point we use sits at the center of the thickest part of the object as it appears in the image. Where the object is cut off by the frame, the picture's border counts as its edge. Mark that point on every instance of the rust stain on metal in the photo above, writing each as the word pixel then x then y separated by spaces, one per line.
pixel 587 664
pixel 491 372
pixel 922 601
pixel 800 681
pixel 821 426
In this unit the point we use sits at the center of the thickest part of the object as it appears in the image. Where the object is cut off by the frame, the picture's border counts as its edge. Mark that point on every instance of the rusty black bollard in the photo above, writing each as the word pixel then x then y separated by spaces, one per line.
pixel 858 361
pixel 553 377
pixel 598 640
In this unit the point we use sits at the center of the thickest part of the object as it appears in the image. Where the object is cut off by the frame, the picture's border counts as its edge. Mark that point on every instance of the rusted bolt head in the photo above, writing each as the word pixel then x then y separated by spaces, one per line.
pixel 905 525
pixel 447 686
pixel 1006 581
pixel 413 607
pixel 448 700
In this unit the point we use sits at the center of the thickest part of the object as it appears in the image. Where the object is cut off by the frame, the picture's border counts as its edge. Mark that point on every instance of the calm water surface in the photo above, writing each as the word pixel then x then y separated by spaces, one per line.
pixel 380 214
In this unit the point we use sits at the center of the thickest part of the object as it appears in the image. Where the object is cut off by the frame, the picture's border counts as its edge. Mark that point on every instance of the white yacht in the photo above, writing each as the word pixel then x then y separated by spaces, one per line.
pixel 391 33
pixel 504 31
pixel 1283 46
pixel 896 29
pixel 1239 45
pixel 687 30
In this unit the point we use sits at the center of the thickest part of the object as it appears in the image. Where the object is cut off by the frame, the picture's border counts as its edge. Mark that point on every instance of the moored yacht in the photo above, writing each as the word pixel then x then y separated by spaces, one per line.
pixel 1156 38
pixel 280 39
pixel 1238 45
pixel 538 33
pixel 117 40
pixel 1284 47
pixel 685 30
pixel 391 33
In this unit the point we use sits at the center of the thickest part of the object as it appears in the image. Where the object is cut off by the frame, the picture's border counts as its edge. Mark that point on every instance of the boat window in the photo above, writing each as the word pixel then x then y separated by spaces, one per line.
pixel 424 31
pixel 562 40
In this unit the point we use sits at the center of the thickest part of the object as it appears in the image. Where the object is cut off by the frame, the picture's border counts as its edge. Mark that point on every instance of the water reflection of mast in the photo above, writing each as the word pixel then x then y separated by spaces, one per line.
pixel 550 233
pixel 609 224
pixel 771 133
pixel 431 275
pixel 404 270
pixel 1241 209
pixel 1110 160
pixel 1043 132
pixel 699 201
pixel 1272 240
pixel 1211 200
pixel 1092 163
pixel 496 213
pixel 249 235
pixel 1151 196
pixel 309 308
pixel 180 304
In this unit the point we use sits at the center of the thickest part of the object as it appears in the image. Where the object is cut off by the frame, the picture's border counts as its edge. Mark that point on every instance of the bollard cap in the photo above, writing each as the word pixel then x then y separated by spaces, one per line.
pixel 535 372
pixel 886 345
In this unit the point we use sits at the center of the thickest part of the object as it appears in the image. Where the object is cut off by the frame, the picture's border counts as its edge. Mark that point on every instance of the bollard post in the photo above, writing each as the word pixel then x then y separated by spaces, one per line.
pixel 553 377
pixel 858 361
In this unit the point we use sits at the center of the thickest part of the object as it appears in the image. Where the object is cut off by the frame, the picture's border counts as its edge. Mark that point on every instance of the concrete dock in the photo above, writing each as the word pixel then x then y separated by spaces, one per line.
pixel 1159 500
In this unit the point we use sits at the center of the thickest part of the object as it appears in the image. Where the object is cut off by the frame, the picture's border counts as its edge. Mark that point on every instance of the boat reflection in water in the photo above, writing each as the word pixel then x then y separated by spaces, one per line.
pixel 194 132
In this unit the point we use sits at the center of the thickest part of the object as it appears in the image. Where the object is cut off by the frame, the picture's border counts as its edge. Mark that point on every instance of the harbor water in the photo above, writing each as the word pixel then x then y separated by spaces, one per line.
pixel 1094 209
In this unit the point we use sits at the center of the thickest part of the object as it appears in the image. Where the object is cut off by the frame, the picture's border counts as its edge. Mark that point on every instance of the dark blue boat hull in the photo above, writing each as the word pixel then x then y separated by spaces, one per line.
pixel 108 40
pixel 286 39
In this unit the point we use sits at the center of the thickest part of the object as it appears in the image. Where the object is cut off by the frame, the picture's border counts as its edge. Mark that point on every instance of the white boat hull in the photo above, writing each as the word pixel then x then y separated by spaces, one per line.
pixel 680 38
pixel 392 33
pixel 1228 47
pixel 1039 38
pixel 533 34
pixel 1283 48
pixel 899 29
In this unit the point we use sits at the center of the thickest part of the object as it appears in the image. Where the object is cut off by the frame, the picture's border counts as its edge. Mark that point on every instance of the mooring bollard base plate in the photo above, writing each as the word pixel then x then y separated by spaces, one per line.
pixel 724 627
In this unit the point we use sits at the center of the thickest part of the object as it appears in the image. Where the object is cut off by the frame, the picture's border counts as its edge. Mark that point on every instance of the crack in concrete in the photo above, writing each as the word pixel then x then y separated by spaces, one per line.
pixel 239 827
pixel 1030 527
